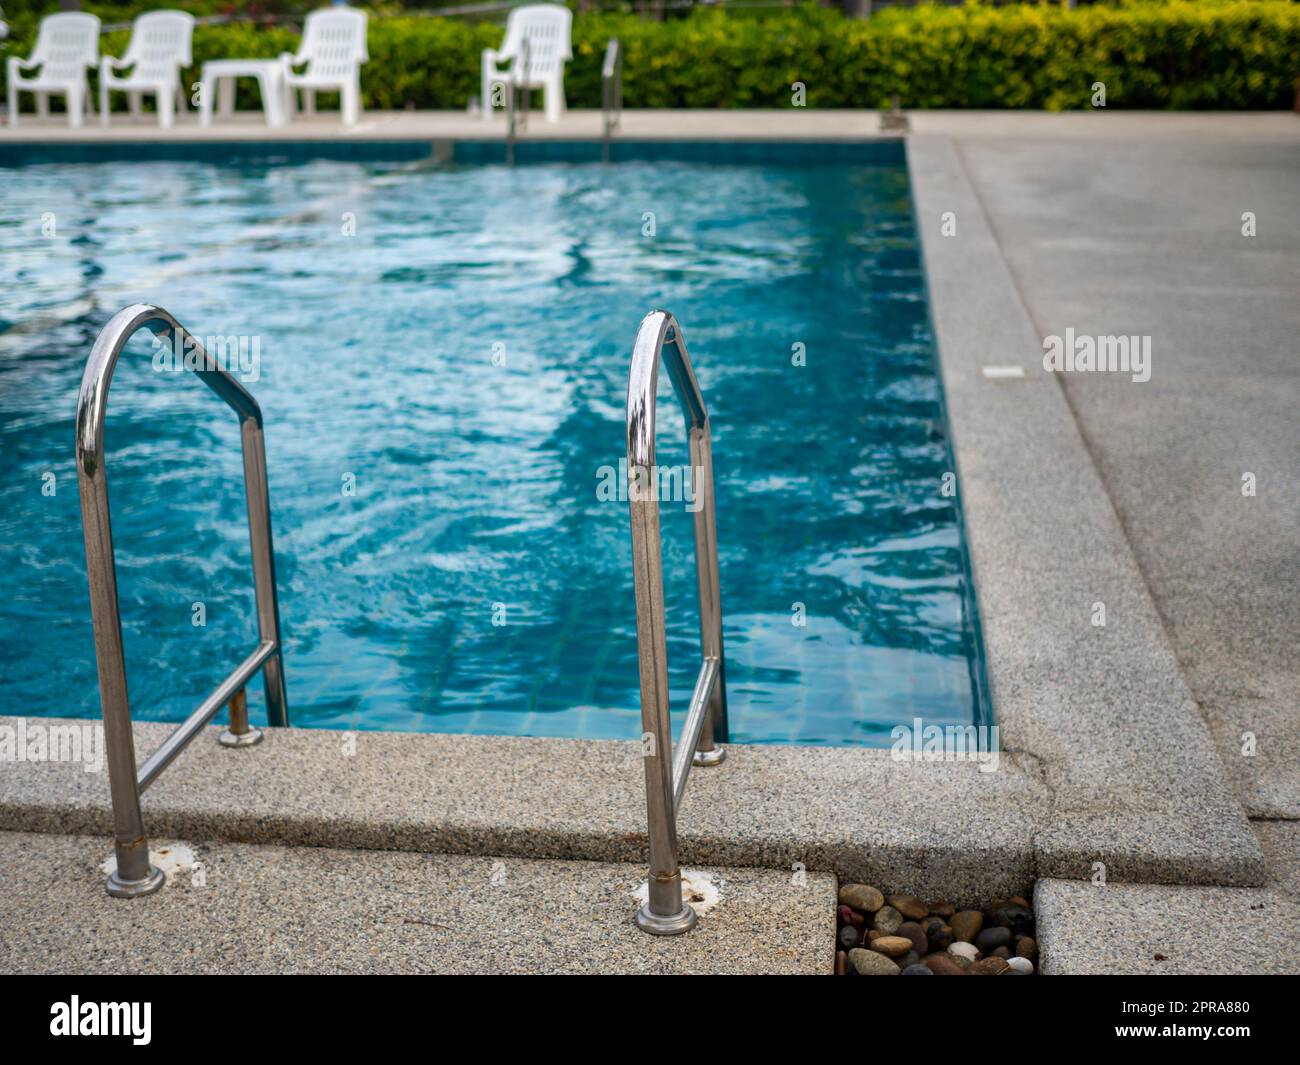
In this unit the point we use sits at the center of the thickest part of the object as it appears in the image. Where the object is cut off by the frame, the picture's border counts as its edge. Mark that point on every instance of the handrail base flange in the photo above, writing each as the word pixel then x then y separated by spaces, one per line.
pixel 706 758
pixel 658 925
pixel 251 738
pixel 133 889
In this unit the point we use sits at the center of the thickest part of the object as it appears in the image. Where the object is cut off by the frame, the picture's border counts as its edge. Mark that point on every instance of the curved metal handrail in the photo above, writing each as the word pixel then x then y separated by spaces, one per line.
pixel 134 874
pixel 659 338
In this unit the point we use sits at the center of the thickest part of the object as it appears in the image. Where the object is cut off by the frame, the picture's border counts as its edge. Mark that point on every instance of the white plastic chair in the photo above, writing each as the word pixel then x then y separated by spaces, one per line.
pixel 159 48
pixel 548 30
pixel 67 45
pixel 333 47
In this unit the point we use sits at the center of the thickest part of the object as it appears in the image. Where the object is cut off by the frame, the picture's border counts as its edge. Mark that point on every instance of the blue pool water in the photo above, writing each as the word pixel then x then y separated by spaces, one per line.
pixel 463 358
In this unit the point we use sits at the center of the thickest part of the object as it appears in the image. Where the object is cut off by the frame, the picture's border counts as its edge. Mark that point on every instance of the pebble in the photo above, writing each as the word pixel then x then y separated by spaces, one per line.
pixel 966 925
pixel 879 935
pixel 862 898
pixel 1020 919
pixel 962 949
pixel 937 933
pixel 909 906
pixel 848 915
pixel 992 938
pixel 894 946
pixel 1026 947
pixel 913 931
pixel 887 920
pixel 943 965
pixel 870 963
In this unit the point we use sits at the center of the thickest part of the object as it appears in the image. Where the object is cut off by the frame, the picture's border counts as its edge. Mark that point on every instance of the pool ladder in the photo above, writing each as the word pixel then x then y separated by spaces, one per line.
pixel 659 338
pixel 135 874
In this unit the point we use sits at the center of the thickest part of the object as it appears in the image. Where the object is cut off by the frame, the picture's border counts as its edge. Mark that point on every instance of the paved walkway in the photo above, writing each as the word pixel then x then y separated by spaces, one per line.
pixel 1132 225
pixel 1134 235
pixel 264 909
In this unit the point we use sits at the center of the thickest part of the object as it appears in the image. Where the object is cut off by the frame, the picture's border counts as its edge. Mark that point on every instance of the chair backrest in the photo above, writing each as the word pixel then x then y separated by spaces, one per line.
pixel 160 44
pixel 548 29
pixel 66 44
pixel 333 42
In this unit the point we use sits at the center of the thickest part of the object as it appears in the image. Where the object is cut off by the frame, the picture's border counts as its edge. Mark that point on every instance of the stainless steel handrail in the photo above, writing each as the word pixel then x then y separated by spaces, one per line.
pixel 135 875
pixel 611 93
pixel 660 337
pixel 516 89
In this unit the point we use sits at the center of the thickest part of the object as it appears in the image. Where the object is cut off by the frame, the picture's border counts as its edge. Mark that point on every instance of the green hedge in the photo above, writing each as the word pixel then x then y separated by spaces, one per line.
pixel 1213 54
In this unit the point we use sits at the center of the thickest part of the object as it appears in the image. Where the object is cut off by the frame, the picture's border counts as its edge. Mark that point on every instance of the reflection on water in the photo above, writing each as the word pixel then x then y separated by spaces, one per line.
pixel 462 362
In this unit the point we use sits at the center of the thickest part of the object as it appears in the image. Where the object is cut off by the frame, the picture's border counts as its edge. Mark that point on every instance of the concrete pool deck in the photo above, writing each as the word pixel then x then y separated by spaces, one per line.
pixel 260 909
pixel 1077 490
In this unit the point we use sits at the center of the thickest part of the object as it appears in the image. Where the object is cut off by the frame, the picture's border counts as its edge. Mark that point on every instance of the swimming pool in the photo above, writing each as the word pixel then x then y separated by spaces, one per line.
pixel 442 355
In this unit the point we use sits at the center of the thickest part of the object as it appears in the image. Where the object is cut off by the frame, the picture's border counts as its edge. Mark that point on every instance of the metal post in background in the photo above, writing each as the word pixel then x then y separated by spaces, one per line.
pixel 611 93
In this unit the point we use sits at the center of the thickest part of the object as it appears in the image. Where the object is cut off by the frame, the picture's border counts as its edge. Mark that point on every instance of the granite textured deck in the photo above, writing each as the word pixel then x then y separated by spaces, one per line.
pixel 785 124
pixel 849 811
pixel 1154 246
pixel 1102 711
pixel 263 909
pixel 1121 928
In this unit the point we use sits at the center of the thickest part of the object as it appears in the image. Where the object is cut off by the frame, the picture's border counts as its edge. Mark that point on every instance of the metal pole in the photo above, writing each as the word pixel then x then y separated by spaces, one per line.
pixel 134 875
pixel 664 912
pixel 240 733
pixel 258 495
pixel 706 572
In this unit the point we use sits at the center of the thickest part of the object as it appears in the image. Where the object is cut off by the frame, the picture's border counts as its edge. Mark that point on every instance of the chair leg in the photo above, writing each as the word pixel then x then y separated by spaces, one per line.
pixel 206 89
pixel 42 105
pixel 273 107
pixel 164 109
pixel 348 104
pixel 13 104
pixel 133 99
pixel 485 101
pixel 554 100
pixel 74 107
pixel 103 103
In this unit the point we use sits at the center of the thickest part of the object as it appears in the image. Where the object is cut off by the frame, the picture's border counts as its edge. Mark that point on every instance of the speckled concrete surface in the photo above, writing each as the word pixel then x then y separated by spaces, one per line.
pixel 1145 238
pixel 1103 712
pixel 1121 928
pixel 265 909
pixel 850 811
pixel 713 124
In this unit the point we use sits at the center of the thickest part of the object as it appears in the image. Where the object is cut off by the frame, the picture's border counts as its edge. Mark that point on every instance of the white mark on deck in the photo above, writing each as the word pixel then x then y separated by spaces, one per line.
pixel 1004 373
pixel 171 858
pixel 698 888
